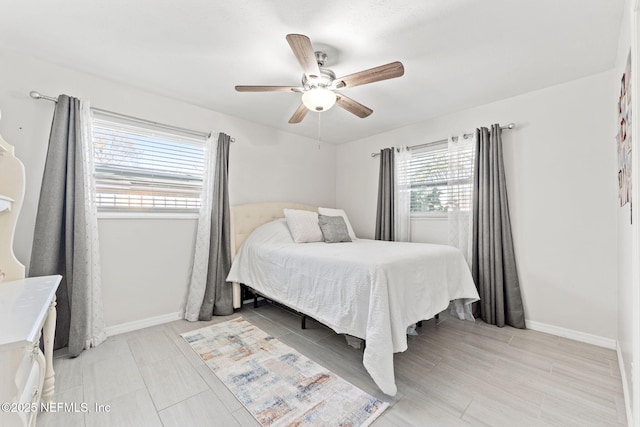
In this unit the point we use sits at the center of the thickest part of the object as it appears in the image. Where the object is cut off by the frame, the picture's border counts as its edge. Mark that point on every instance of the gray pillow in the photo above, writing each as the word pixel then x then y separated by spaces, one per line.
pixel 334 229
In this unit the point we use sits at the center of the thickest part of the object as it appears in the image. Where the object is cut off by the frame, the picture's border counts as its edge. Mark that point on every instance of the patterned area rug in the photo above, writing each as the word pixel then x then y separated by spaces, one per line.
pixel 278 385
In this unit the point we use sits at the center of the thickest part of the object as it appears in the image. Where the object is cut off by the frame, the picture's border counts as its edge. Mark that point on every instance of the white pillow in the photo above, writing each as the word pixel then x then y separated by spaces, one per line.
pixel 303 226
pixel 343 214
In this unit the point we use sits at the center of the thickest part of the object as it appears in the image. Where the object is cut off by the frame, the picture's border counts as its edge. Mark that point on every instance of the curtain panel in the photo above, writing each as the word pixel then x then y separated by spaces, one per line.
pixel 493 257
pixel 402 208
pixel 385 214
pixel 65 238
pixel 209 292
pixel 460 183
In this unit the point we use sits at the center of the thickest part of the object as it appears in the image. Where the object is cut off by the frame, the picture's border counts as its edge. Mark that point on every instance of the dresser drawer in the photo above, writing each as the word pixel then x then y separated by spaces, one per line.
pixel 26 306
pixel 26 364
pixel 31 391
pixel 27 396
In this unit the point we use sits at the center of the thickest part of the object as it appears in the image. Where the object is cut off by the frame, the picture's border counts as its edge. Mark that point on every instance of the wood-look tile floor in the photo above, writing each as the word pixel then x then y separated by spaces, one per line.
pixel 454 373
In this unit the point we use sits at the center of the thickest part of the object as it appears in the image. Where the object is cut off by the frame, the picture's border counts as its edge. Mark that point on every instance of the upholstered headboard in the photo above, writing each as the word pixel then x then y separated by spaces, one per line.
pixel 248 217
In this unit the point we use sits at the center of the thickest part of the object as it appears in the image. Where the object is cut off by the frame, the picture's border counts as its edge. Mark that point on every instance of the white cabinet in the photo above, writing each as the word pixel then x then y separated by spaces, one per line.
pixel 27 311
pixel 27 307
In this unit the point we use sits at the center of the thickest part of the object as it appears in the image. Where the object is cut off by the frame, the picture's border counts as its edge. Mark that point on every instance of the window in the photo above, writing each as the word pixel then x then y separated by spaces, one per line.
pixel 145 168
pixel 440 179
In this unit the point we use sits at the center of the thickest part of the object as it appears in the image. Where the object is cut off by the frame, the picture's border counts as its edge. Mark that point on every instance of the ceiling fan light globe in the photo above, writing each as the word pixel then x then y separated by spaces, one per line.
pixel 319 99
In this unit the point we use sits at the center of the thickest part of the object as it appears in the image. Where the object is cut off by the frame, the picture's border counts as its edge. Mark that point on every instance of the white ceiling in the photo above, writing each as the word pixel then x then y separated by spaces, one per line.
pixel 457 53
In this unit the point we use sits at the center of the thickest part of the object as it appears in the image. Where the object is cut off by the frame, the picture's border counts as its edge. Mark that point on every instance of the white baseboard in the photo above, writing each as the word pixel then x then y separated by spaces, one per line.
pixel 142 323
pixel 625 386
pixel 571 334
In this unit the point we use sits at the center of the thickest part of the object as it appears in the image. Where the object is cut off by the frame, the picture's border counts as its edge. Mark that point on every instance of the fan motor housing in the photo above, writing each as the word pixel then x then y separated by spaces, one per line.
pixel 324 80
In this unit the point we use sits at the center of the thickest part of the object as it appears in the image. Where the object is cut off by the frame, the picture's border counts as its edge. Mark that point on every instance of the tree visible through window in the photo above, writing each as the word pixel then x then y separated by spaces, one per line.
pixel 144 169
pixel 440 180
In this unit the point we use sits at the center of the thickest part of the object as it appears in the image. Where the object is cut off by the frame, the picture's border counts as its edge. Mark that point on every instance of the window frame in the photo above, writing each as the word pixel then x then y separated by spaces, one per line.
pixel 432 147
pixel 121 123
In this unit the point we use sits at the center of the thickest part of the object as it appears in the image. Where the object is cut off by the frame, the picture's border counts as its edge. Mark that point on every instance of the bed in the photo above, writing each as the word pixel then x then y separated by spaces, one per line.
pixel 369 289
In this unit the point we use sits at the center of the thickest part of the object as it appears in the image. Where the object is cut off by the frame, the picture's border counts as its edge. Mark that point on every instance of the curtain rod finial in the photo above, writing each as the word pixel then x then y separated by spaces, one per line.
pixel 35 94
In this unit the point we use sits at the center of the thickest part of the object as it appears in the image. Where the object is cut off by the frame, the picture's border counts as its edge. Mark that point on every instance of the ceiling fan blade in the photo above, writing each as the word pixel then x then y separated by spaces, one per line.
pixel 302 49
pixel 383 72
pixel 268 89
pixel 300 114
pixel 353 106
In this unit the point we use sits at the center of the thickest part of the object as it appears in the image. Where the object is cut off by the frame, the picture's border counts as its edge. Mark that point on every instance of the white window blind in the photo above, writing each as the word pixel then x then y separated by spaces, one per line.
pixel 140 168
pixel 440 179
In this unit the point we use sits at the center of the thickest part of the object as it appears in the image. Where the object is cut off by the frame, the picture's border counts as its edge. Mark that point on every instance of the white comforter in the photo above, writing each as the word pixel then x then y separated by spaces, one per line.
pixel 367 288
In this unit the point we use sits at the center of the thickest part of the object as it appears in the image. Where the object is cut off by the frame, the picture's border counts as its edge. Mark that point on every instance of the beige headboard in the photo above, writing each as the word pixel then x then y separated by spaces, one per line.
pixel 246 218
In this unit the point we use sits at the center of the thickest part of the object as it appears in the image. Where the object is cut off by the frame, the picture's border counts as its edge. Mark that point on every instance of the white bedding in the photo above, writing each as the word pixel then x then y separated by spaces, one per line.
pixel 367 288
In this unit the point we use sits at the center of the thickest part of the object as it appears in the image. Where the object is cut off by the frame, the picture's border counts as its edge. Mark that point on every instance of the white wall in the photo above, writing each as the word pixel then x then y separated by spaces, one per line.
pixel 627 328
pixel 560 161
pixel 146 262
pixel 561 171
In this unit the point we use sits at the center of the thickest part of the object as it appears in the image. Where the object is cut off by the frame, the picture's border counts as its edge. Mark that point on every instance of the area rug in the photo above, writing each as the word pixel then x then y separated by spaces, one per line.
pixel 278 385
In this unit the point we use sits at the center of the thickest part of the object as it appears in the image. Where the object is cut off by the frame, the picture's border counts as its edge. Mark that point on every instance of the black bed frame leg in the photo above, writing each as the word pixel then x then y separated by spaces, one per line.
pixel 303 323
pixel 255 300
pixel 419 322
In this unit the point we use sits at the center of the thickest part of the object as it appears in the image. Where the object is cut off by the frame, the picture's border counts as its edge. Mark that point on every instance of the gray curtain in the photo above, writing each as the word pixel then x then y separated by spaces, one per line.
pixel 60 244
pixel 494 262
pixel 385 215
pixel 218 295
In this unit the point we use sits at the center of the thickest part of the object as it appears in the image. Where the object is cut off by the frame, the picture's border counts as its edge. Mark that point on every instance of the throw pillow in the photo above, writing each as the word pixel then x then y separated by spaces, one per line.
pixel 334 229
pixel 343 214
pixel 303 226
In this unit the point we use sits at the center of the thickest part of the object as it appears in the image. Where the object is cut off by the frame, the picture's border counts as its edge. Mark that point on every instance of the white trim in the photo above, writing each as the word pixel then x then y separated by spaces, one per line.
pixel 625 386
pixel 142 323
pixel 420 216
pixel 571 334
pixel 147 215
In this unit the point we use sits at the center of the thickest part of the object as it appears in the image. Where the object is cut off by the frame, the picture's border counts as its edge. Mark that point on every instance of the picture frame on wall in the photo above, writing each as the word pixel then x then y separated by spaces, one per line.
pixel 623 137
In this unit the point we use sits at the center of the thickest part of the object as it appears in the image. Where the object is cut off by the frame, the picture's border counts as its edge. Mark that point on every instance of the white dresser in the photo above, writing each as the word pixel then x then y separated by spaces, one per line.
pixel 27 307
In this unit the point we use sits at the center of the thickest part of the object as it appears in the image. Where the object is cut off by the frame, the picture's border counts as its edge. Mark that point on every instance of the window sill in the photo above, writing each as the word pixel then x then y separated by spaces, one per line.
pixel 429 217
pixel 147 215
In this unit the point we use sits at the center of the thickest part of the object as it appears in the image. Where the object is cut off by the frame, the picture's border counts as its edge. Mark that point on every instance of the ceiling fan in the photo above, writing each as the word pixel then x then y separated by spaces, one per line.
pixel 319 84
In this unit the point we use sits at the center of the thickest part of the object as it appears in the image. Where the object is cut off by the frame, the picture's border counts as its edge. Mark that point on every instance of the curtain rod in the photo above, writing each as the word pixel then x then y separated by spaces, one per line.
pixel 37 95
pixel 465 136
